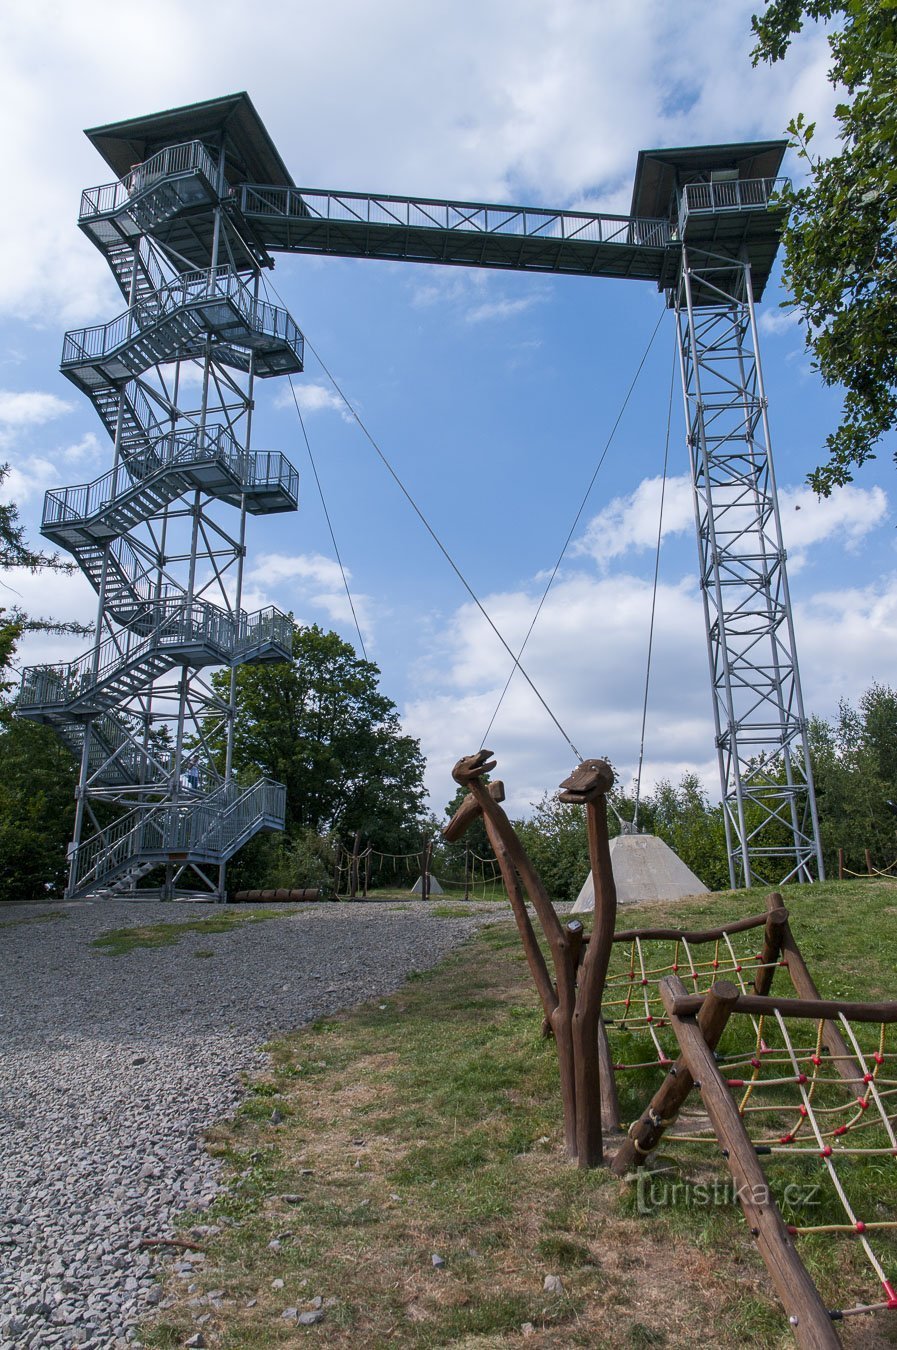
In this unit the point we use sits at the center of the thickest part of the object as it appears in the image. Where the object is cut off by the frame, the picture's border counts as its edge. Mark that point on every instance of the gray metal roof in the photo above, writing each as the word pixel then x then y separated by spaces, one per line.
pixel 251 153
pixel 659 172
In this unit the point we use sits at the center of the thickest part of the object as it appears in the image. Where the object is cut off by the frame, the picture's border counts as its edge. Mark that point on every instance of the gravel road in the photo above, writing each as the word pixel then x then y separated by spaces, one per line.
pixel 111 1066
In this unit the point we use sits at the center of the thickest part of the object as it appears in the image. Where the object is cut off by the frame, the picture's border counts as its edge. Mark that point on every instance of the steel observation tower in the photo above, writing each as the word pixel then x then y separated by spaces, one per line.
pixel 200 202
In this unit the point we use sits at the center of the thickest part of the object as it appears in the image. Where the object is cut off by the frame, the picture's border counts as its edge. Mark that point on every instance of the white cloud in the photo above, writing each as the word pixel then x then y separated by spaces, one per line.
pixel 28 408
pixel 87 448
pixel 847 517
pixel 629 523
pixel 777 321
pixel 303 582
pixel 29 477
pixel 273 568
pixel 554 108
pixel 501 309
pixel 312 398
pixel 587 657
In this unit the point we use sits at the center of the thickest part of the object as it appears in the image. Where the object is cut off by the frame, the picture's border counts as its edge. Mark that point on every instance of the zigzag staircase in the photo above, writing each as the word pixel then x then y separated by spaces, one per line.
pixel 156 630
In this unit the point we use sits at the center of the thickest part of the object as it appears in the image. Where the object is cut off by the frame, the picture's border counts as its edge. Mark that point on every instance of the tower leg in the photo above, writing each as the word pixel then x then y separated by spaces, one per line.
pixel 769 806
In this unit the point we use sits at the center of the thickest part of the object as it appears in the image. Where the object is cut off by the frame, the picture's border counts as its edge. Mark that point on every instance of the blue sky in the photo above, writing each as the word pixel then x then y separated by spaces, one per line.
pixel 492 395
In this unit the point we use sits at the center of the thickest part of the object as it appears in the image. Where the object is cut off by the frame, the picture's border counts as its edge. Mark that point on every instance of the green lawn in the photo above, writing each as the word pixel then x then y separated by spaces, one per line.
pixel 429 1123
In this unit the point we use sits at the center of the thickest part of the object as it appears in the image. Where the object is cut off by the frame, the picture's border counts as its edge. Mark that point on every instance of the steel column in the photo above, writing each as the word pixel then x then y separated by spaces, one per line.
pixel 761 732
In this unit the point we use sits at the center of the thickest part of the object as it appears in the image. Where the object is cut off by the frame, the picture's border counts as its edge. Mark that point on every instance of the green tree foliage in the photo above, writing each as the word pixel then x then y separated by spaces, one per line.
pixel 449 859
pixel 684 818
pixel 37 809
pixel 555 838
pixel 320 724
pixel 15 551
pixel 841 239
pixel 38 780
pixel 855 767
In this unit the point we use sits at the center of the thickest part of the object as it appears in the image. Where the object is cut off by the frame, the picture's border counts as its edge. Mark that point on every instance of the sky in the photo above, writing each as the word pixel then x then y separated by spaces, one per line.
pixel 492 395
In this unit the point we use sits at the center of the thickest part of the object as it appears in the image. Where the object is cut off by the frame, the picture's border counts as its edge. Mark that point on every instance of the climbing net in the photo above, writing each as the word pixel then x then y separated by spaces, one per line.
pixel 632 1001
pixel 821 1093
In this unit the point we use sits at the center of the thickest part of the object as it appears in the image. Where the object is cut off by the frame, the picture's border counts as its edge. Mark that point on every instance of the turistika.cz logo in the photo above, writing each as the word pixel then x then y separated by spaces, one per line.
pixel 654 1192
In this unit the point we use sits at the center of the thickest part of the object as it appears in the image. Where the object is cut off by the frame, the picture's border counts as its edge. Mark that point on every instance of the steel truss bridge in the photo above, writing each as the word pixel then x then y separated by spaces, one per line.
pixel 200 202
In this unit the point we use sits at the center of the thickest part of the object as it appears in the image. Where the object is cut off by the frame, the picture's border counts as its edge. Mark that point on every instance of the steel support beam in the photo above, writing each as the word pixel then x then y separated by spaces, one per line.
pixel 769 806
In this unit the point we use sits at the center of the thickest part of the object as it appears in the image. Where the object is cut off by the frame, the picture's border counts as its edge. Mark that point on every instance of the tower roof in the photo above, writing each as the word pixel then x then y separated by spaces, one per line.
pixel 251 153
pixel 659 172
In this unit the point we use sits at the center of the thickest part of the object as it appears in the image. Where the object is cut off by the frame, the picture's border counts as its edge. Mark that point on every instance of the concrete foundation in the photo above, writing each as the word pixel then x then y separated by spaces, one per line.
pixel 435 888
pixel 645 868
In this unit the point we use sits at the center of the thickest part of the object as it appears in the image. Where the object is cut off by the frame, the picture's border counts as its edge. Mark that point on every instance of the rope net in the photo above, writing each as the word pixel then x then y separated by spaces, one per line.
pixel 832 1116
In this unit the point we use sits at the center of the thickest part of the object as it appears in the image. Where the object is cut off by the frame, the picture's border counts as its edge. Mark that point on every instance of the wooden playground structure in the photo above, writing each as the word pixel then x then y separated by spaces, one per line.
pixel 802 1078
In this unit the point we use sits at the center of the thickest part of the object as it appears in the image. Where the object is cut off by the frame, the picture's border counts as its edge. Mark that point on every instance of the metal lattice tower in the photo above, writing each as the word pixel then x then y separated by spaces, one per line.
pixel 768 801
pixel 186 233
pixel 161 535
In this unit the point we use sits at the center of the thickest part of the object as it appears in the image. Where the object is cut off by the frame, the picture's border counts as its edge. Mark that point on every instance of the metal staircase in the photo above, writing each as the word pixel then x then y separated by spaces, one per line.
pixel 158 808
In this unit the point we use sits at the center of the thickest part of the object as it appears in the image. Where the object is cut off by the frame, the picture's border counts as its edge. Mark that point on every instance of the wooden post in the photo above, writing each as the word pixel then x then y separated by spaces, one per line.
pixel 805 987
pixel 468 772
pixel 611 1120
pixel 588 785
pixel 870 870
pixel 773 937
pixel 808 1317
pixel 336 868
pixel 646 1132
pixel 353 867
pixel 367 870
pixel 840 864
pixel 425 869
pixel 572 1014
pixel 466 871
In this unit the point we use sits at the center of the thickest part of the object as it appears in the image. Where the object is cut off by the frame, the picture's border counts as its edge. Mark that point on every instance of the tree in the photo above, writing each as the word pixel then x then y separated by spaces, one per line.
pixel 841 238
pixel 16 552
pixel 855 770
pixel 37 810
pixel 320 724
pixel 555 838
pixel 684 818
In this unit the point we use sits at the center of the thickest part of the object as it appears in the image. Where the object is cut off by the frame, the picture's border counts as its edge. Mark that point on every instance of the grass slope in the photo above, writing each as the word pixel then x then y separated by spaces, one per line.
pixel 429 1124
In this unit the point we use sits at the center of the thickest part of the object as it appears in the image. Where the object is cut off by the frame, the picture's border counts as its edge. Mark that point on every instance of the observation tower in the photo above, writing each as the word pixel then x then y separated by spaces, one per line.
pixel 161 536
pixel 201 201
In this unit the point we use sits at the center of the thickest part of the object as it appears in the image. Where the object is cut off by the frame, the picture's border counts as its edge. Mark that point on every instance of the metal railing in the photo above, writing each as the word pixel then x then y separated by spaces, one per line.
pixel 268 627
pixel 172 451
pixel 172 162
pixel 272 469
pixel 179 625
pixel 426 214
pixel 214 827
pixel 192 290
pixel 736 194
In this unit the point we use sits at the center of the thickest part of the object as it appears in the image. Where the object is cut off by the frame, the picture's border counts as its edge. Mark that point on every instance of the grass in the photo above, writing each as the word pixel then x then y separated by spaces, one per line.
pixel 433 1127
pixel 48 917
pixel 120 941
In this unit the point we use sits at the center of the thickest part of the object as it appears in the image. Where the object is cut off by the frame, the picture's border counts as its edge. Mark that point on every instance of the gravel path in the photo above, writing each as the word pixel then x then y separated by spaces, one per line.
pixel 111 1066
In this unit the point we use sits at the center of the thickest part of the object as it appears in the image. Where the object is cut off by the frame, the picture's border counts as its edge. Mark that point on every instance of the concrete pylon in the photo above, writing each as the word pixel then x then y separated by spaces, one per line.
pixel 434 887
pixel 645 868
